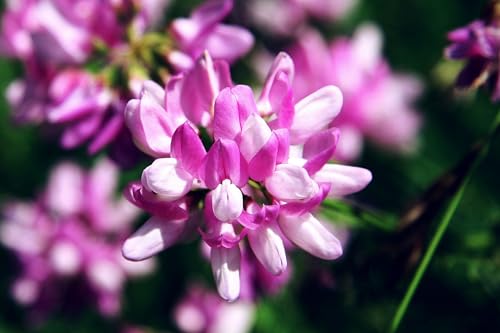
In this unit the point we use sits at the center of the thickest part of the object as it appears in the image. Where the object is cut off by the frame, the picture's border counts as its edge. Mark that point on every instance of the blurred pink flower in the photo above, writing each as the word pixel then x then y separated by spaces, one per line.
pixel 74 230
pixel 377 102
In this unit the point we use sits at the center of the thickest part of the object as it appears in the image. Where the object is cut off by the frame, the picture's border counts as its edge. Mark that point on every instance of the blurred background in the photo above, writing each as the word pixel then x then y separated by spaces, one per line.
pixel 460 291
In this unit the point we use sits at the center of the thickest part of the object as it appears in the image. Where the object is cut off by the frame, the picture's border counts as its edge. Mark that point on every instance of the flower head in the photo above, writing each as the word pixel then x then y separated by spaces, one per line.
pixel 263 175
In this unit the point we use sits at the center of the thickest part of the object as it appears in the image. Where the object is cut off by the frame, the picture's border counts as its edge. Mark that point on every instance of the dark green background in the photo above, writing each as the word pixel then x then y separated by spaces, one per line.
pixel 459 293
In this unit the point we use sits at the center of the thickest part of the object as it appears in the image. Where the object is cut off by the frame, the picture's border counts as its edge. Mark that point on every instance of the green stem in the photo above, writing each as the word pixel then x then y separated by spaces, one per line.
pixel 443 224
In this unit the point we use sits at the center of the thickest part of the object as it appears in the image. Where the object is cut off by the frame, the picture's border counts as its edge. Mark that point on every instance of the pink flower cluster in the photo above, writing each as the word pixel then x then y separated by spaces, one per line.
pixel 233 168
pixel 378 104
pixel 73 51
pixel 70 239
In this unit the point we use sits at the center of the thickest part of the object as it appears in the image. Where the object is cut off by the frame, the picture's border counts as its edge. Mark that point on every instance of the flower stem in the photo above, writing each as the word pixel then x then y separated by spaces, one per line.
pixel 443 224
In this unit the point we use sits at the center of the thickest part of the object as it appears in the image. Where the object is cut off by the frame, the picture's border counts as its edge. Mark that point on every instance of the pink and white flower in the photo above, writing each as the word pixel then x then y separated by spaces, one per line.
pixel 264 175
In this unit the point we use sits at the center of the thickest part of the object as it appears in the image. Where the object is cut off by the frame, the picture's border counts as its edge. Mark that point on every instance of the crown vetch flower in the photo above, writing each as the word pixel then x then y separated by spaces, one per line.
pixel 265 173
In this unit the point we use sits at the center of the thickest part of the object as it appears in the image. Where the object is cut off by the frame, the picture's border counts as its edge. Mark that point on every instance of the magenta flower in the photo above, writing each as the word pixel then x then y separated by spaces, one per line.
pixel 74 230
pixel 374 97
pixel 477 43
pixel 264 175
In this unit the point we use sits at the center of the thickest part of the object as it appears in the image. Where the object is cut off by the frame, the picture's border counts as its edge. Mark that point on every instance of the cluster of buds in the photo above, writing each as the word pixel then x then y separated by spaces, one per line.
pixel 233 168
pixel 72 237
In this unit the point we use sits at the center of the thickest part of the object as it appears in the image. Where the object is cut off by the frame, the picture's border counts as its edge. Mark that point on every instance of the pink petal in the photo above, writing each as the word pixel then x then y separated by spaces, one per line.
pixel 268 247
pixel 200 87
pixel 148 122
pixel 229 42
pixel 343 178
pixel 224 161
pixel 319 148
pixel 263 163
pixel 106 134
pixel 203 19
pixel 65 194
pixel 283 137
pixel 314 113
pixel 311 235
pixel 153 204
pixel 188 148
pixel 232 108
pixel 154 236
pixel 259 146
pixel 167 178
pixel 254 135
pixel 227 201
pixel 291 183
pixel 226 270
pixel 281 70
pixel 77 133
